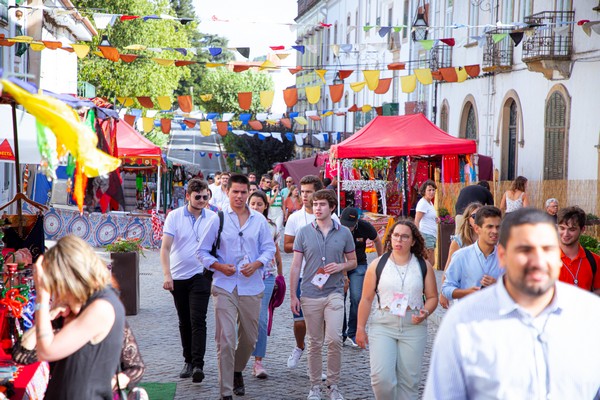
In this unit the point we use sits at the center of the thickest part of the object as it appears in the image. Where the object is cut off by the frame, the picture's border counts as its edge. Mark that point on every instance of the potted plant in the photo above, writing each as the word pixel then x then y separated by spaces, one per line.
pixel 447 228
pixel 125 267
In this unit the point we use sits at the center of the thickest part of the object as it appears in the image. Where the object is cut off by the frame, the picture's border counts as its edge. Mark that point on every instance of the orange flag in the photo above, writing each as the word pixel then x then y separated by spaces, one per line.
pixel 383 86
pixel 190 123
pixel 290 96
pixel 472 70
pixel 183 63
pixel 165 125
pixel 336 92
pixel 344 73
pixel 128 57
pixel 449 74
pixel 245 100
pixel 110 53
pixel 254 124
pixel 129 118
pixel 185 103
pixel 145 102
pixel 222 127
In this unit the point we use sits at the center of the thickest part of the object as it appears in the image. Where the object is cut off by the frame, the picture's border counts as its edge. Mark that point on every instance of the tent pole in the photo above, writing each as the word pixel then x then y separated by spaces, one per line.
pixel 338 188
pixel 17 165
pixel 158 188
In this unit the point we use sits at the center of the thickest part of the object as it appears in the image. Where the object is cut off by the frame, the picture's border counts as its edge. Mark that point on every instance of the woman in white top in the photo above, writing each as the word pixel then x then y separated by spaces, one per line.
pixel 515 197
pixel 397 332
pixel 426 217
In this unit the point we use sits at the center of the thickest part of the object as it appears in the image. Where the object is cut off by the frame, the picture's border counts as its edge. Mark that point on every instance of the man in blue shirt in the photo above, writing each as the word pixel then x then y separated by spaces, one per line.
pixel 246 246
pixel 527 337
pixel 475 266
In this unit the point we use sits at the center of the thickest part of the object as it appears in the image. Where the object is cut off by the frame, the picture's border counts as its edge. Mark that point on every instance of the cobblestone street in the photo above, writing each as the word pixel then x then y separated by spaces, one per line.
pixel 157 333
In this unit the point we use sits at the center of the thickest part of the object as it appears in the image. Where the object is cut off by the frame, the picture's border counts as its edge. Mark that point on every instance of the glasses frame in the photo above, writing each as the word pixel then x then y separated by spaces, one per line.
pixel 204 197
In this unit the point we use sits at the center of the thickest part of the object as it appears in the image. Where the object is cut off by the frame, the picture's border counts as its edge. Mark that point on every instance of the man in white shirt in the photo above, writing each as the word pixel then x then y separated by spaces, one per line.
pixel 219 194
pixel 529 336
pixel 183 229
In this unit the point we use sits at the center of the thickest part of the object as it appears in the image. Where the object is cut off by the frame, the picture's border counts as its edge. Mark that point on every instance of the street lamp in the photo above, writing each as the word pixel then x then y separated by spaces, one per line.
pixel 104 41
pixel 419 28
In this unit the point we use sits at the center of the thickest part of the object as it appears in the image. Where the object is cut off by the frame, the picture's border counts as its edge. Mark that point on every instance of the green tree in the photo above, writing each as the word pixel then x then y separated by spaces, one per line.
pixel 224 86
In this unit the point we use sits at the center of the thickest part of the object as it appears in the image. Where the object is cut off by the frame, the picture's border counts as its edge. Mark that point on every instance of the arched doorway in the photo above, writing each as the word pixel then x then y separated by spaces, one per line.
pixel 510 134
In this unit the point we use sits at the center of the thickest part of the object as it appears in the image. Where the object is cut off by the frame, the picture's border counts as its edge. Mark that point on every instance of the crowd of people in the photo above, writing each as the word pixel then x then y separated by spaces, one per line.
pixel 521 292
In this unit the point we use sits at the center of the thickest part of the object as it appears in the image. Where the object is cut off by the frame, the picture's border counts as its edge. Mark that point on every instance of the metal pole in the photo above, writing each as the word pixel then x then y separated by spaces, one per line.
pixel 338 188
pixel 158 187
pixel 17 165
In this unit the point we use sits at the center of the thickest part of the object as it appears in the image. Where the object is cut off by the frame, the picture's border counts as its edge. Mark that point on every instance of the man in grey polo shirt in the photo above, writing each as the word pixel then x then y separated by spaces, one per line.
pixel 328 248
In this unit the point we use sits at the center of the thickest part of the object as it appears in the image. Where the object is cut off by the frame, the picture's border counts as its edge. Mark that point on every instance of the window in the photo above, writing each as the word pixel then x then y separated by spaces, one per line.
pixel 405 19
pixel 555 137
pixel 473 19
pixel 525 9
pixel 4 11
pixel 507 12
pixel 357 28
pixel 348 22
pixel 468 125
pixel 563 5
pixel 444 117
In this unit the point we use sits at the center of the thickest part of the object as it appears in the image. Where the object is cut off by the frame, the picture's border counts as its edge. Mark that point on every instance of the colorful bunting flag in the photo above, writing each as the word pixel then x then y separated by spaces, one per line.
pixel 290 97
pixel 245 100
pixel 408 83
pixel 313 94
pixel 424 76
pixel 372 78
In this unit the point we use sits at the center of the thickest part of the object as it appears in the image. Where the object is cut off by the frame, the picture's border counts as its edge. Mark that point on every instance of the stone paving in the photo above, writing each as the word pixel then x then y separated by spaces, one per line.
pixel 156 330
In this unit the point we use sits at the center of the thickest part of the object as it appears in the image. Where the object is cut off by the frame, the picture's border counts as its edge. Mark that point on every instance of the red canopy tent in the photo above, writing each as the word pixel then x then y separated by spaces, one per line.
pixel 404 135
pixel 132 146
pixel 298 168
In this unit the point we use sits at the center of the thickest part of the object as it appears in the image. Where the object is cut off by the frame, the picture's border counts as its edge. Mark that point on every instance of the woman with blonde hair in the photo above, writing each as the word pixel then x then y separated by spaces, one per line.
pixel 466 236
pixel 85 351
pixel 515 197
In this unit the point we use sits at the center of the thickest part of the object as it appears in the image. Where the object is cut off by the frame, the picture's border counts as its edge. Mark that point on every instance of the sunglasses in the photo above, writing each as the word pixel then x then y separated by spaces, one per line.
pixel 289 181
pixel 201 196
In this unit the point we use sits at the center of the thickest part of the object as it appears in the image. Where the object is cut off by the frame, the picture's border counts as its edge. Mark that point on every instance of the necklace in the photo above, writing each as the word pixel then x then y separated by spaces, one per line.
pixel 576 275
pixel 321 247
pixel 193 222
pixel 402 275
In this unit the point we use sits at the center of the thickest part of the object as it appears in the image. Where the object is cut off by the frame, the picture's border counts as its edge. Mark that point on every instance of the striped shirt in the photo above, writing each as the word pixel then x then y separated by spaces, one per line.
pixel 488 347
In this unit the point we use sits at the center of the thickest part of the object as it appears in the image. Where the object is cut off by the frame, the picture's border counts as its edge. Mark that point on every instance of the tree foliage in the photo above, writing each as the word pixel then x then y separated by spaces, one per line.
pixel 224 86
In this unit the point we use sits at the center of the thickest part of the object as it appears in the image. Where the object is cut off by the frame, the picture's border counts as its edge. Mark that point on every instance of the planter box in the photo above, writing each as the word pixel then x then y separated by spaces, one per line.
pixel 125 270
pixel 446 231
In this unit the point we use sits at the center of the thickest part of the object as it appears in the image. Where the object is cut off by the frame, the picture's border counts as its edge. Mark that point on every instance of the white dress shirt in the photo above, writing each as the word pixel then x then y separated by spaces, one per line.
pixel 488 347
pixel 219 198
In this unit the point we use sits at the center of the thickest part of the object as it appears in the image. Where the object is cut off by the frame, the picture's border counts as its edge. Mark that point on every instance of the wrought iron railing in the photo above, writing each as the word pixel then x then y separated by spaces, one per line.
pixel 497 55
pixel 553 37
pixel 305 5
pixel 440 57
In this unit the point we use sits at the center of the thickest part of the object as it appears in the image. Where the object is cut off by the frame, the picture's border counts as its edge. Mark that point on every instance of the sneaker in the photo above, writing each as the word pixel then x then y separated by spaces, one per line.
pixel 323 376
pixel 259 371
pixel 295 357
pixel 315 393
pixel 351 342
pixel 334 393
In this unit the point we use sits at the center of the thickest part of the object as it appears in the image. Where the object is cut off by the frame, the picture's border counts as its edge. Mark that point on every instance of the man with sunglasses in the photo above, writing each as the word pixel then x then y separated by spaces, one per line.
pixel 183 230
pixel 476 266
pixel 265 184
pixel 289 182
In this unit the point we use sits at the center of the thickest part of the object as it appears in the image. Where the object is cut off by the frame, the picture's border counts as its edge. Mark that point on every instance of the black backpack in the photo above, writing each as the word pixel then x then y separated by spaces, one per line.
pixel 592 261
pixel 216 246
pixel 381 264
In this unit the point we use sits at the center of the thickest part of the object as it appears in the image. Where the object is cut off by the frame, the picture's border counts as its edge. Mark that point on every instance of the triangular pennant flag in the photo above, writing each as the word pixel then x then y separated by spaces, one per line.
pixel 135 47
pixel 383 86
pixel 282 56
pixel 301 121
pixel 262 116
pixel 277 135
pixel 110 53
pixel 313 94
pixel 321 74
pixel 299 140
pixel 125 101
pixel 52 45
pixel 449 41
pixel 290 97
pixel 21 39
pixel 266 98
pixel 496 37
pixel 344 73
pixel 185 103
pixel 164 102
pixel 461 74
pixel 215 51
pixel 205 128
pixel 294 71
pixel 426 44
pixel 181 50
pixel 130 119
pixel 202 154
pixel 37 46
pixel 212 115
pixel 289 136
pixel 245 118
pixel 357 86
pixel 147 124
pixel 286 123
pixel 147 17
pixel 366 108
pixel 256 125
pixel 397 66
pixel 145 102
pixel 240 68
pixel 81 50
pixel 102 20
pixel 516 37
pixel 472 70
pixel 299 48
pixel 336 92
pixel 268 64
pixel 214 65
pixel 245 100
pixel 384 30
pixel 315 118
pixel 222 128
pixel 312 48
pixel 190 123
pixel 424 76
pixel 206 97
pixel 244 51
pixel 335 49
pixel 449 74
pixel 209 154
pixel 164 62
pixel 354 108
pixel 277 48
pixel 183 63
pixel 367 28
pixel 379 110
pixel 437 75
pixel 127 58
pixel 372 78
pixel 408 83
pixel 228 116
pixel 165 125
pixel 346 48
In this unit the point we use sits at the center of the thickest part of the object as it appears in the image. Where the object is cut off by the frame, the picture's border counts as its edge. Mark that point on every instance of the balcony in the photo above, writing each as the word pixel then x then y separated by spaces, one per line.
pixel 549 49
pixel 304 6
pixel 440 57
pixel 497 57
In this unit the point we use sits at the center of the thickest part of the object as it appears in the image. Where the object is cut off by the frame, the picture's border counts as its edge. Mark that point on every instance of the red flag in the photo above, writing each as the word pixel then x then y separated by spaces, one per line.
pixel 449 41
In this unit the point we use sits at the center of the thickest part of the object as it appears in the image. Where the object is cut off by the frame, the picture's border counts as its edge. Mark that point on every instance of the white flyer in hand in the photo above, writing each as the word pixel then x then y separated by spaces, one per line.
pixel 243 261
pixel 320 278
pixel 399 304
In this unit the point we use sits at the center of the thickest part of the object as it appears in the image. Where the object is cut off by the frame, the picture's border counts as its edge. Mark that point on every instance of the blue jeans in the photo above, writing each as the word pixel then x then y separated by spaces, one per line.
pixel 356 276
pixel 263 319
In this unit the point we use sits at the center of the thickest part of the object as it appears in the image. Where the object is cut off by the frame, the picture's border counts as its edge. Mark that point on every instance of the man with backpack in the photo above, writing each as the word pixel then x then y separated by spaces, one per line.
pixel 244 245
pixel 476 266
pixel 579 265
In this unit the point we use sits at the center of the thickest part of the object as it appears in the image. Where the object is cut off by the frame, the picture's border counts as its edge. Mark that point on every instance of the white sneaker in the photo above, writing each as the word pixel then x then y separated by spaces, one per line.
pixel 334 393
pixel 295 357
pixel 323 376
pixel 315 393
pixel 351 342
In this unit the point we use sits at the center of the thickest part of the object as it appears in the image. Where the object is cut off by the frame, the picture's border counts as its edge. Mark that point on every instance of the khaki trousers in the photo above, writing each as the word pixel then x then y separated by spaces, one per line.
pixel 234 314
pixel 324 318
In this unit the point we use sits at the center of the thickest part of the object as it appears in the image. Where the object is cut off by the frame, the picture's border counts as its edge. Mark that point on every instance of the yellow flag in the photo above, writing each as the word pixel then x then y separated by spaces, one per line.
pixel 301 121
pixel 282 56
pixel 461 74
pixel 37 46
pixel 205 127
pixel 372 78
pixel 366 108
pixel 214 65
pixel 236 124
pixel 321 73
pixel 266 98
pixel 313 94
pixel 164 102
pixel 135 47
pixel 408 83
pixel 81 50
pixel 147 124
pixel 98 53
pixel 21 39
pixel 206 97
pixel 424 76
pixel 357 86
pixel 128 102
pixel 164 62
pixel 267 65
